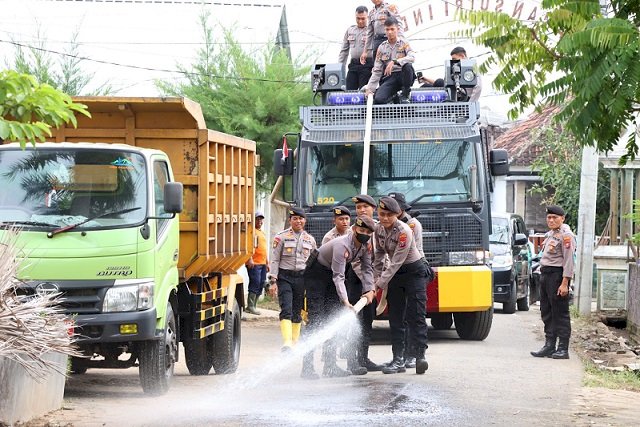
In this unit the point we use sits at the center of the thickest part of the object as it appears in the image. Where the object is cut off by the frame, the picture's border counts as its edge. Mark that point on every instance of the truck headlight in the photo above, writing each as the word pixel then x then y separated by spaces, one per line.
pixel 502 261
pixel 467 257
pixel 129 295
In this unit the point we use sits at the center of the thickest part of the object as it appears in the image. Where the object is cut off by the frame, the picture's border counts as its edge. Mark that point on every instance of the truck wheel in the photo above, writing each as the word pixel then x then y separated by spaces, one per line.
pixel 198 354
pixel 78 366
pixel 441 321
pixel 474 325
pixel 509 307
pixel 226 343
pixel 157 358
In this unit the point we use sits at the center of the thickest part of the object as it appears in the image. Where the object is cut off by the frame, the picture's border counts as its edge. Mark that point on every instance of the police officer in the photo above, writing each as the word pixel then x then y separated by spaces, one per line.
pixel 353 45
pixel 393 67
pixel 326 290
pixel 375 28
pixel 365 206
pixel 291 248
pixel 556 267
pixel 405 281
pixel 341 221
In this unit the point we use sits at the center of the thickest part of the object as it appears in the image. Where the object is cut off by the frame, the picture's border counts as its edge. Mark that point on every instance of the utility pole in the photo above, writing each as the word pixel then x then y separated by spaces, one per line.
pixel 586 227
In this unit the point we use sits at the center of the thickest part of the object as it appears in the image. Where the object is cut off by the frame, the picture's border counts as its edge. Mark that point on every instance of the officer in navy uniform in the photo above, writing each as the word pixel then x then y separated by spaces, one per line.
pixel 291 248
pixel 326 290
pixel 556 266
pixel 353 46
pixel 405 281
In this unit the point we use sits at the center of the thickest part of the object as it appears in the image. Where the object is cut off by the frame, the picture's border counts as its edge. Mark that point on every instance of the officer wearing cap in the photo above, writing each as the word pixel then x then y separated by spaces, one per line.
pixel 556 266
pixel 341 222
pixel 380 12
pixel 257 265
pixel 290 250
pixel 405 281
pixel 326 290
pixel 353 45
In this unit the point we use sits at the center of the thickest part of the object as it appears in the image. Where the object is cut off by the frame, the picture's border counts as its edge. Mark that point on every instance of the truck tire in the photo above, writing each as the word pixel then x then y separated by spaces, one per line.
pixel 475 325
pixel 509 307
pixel 226 343
pixel 441 321
pixel 157 358
pixel 78 366
pixel 198 355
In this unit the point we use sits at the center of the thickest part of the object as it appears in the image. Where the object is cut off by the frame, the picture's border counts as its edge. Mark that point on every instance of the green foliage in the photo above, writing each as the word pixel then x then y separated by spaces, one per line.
pixel 64 73
pixel 572 57
pixel 635 217
pixel 559 165
pixel 29 109
pixel 254 95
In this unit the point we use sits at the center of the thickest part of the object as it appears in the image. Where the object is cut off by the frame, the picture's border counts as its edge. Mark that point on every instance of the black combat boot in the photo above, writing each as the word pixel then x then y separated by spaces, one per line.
pixel 563 349
pixel 410 362
pixel 366 362
pixel 331 368
pixel 308 372
pixel 395 366
pixel 421 363
pixel 548 349
pixel 353 365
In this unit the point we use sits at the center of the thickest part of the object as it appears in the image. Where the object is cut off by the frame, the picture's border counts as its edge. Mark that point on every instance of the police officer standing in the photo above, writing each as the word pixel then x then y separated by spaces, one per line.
pixel 326 290
pixel 393 67
pixel 405 281
pixel 341 221
pixel 291 248
pixel 353 45
pixel 556 267
pixel 375 28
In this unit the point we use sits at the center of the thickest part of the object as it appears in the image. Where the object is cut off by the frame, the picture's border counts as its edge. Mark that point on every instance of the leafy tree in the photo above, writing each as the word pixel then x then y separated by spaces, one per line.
pixel 575 57
pixel 29 109
pixel 559 168
pixel 254 95
pixel 64 73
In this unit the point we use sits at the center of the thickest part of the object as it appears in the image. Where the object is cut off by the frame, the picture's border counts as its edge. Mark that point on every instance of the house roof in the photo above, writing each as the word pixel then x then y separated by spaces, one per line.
pixel 518 141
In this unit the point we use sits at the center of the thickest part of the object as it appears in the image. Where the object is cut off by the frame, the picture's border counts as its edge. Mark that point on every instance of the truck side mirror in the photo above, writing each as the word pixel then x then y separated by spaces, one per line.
pixel 520 239
pixel 499 162
pixel 282 167
pixel 173 197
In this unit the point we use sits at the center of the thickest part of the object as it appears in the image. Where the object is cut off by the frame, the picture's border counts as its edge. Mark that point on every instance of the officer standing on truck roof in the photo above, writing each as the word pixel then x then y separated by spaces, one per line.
pixel 291 248
pixel 326 290
pixel 393 67
pixel 405 279
pixel 556 267
pixel 375 28
pixel 353 45
pixel 341 221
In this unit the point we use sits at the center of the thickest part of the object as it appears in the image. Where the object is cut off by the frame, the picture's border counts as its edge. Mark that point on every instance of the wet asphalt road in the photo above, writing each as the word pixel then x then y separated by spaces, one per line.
pixel 493 382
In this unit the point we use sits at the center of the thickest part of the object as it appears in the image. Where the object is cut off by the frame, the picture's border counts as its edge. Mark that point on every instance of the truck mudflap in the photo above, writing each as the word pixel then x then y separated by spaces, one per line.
pixel 115 327
pixel 460 289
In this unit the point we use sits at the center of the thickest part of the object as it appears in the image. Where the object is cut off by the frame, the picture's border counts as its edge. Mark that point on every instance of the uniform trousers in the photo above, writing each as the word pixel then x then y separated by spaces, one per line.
pixel 290 295
pixel 390 85
pixel 407 299
pixel 554 309
pixel 358 74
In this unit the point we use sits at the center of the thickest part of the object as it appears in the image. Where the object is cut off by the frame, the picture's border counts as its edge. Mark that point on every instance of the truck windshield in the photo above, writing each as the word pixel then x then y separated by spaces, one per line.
pixel 425 172
pixel 51 188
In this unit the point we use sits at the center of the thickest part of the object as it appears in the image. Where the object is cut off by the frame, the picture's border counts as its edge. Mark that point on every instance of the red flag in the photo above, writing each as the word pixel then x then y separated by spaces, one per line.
pixel 285 149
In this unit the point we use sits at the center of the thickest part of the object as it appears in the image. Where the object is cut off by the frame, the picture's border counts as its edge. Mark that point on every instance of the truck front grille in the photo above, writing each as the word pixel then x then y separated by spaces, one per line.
pixel 77 296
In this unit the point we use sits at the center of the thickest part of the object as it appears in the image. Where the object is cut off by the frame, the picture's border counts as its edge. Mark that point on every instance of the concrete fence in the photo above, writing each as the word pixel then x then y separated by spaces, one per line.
pixel 633 302
pixel 22 397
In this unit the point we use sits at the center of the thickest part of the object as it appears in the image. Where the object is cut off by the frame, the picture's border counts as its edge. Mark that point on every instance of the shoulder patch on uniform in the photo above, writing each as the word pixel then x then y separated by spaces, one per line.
pixel 402 240
pixel 276 241
pixel 567 241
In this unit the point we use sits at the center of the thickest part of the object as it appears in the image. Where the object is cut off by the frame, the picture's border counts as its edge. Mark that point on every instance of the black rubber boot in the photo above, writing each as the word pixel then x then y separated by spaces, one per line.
pixel 563 349
pixel 308 372
pixel 331 368
pixel 396 366
pixel 548 349
pixel 366 362
pixel 421 363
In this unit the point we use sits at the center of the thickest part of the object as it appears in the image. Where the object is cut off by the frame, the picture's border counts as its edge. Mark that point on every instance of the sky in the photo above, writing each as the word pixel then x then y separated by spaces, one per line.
pixel 130 43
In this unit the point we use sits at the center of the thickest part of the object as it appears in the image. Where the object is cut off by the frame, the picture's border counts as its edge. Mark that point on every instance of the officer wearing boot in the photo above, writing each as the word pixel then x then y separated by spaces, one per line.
pixel 405 281
pixel 556 267
pixel 326 291
pixel 341 222
pixel 257 265
pixel 365 205
pixel 291 248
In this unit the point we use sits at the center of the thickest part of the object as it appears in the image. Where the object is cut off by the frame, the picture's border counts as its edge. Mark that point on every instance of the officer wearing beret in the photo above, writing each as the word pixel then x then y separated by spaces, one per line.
pixel 405 281
pixel 556 267
pixel 341 222
pixel 326 290
pixel 291 248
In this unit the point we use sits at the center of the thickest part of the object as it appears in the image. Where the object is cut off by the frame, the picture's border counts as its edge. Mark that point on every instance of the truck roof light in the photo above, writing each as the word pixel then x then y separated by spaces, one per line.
pixel 345 98
pixel 428 96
